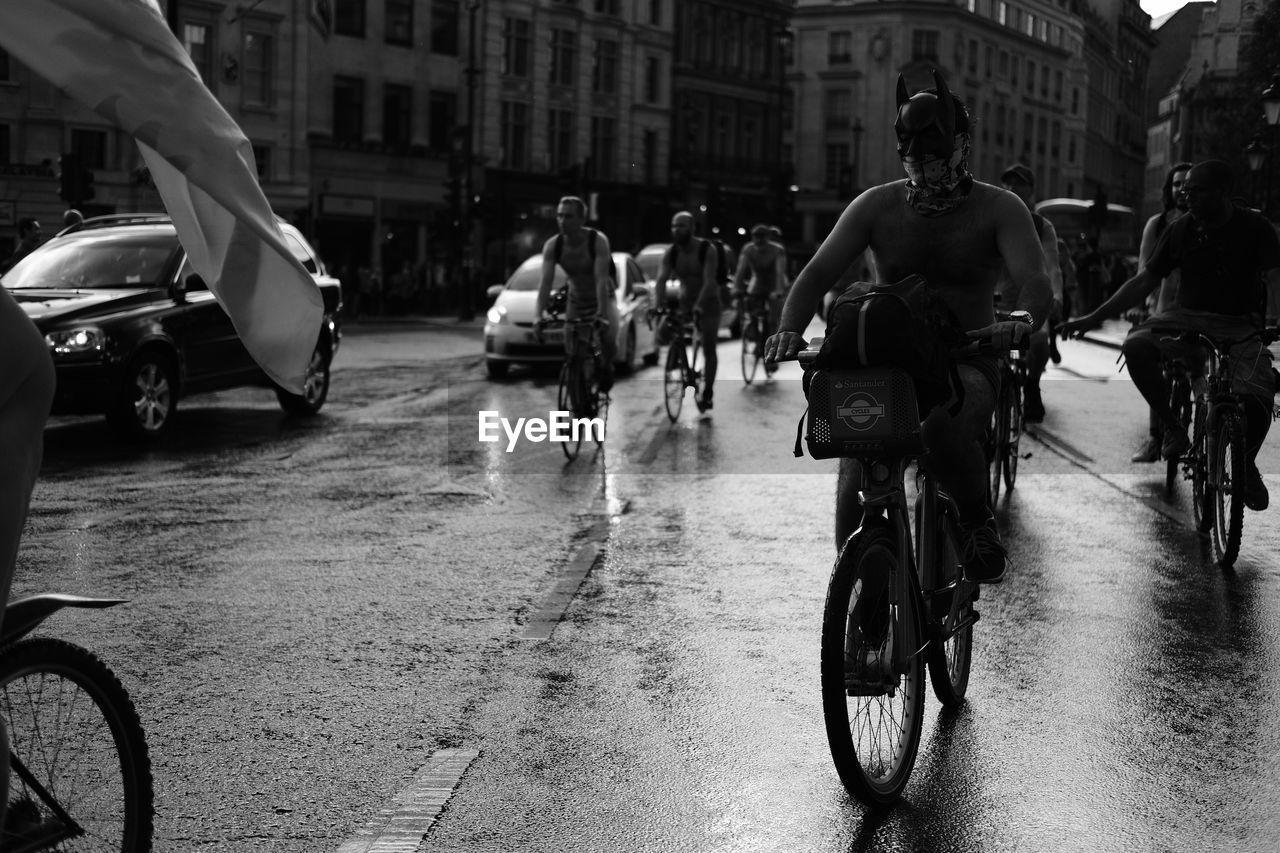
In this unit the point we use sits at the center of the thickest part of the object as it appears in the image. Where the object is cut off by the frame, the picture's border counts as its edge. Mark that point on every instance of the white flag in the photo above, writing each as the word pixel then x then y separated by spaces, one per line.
pixel 119 58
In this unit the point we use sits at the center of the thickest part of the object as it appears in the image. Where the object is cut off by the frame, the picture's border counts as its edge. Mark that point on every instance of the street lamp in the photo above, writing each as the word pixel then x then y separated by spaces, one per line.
pixel 467 282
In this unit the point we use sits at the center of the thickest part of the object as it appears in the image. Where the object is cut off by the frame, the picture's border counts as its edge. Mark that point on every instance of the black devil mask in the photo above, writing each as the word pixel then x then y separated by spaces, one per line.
pixel 934 155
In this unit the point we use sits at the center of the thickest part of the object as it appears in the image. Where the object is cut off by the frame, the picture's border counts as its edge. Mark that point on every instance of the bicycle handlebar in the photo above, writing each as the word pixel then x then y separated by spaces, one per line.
pixel 1267 336
pixel 978 345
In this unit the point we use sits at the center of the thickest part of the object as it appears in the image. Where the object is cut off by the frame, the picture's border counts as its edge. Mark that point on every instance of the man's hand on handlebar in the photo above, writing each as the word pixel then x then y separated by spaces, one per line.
pixel 1003 336
pixel 1077 327
pixel 783 346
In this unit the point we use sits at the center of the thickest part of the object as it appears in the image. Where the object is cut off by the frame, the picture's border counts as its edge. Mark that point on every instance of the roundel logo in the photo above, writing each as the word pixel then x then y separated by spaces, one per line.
pixel 860 411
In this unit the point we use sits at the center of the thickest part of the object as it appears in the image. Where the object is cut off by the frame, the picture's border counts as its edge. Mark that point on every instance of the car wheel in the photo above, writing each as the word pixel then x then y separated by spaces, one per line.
pixel 628 361
pixel 315 386
pixel 147 399
pixel 497 369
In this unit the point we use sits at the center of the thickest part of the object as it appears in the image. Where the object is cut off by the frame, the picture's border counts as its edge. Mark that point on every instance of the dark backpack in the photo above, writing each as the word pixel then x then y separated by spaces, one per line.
pixel 591 249
pixel 905 325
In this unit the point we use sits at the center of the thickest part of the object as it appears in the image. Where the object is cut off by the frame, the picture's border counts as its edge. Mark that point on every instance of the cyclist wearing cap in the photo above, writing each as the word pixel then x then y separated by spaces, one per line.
pixel 959 234
pixel 693 260
pixel 765 262
pixel 583 254
pixel 1229 257
pixel 1019 180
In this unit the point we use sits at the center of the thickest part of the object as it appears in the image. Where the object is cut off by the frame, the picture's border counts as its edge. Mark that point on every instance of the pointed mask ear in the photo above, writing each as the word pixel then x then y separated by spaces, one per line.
pixel 946 104
pixel 903 97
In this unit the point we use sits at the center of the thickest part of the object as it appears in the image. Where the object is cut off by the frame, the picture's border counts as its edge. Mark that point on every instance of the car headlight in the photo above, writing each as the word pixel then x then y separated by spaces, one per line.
pixel 497 315
pixel 86 339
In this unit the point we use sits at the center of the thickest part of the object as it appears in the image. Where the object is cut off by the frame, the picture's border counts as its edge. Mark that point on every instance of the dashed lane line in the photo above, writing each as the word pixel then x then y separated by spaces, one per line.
pixel 553 607
pixel 401 827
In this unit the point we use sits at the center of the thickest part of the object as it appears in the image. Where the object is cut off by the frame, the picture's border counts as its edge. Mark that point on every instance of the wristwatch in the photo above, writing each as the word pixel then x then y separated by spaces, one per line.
pixel 1022 317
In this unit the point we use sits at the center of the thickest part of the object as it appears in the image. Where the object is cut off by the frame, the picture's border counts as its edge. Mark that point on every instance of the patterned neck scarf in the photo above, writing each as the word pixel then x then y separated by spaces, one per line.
pixel 937 186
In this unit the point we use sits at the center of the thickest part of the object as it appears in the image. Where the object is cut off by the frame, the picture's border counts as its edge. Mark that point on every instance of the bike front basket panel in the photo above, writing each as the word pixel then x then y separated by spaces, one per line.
pixel 869 412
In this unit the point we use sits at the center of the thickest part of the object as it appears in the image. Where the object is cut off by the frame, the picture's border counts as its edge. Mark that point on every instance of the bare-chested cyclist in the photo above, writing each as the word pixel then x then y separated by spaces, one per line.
pixel 959 234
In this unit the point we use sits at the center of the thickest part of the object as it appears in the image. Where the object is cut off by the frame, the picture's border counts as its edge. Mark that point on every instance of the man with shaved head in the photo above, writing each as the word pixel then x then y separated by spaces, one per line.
pixel 960 235
pixel 1229 258
pixel 693 261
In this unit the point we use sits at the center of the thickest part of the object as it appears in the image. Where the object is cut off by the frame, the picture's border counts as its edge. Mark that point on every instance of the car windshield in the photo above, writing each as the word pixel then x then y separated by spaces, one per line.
pixel 94 260
pixel 530 278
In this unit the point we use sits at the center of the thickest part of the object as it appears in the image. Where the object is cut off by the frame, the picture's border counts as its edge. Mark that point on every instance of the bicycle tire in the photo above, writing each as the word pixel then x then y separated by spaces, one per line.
pixel 673 380
pixel 695 379
pixel 1227 480
pixel 43 682
pixel 1013 438
pixel 1198 462
pixel 873 738
pixel 950 657
pixel 999 429
pixel 752 342
pixel 1180 405
pixel 564 400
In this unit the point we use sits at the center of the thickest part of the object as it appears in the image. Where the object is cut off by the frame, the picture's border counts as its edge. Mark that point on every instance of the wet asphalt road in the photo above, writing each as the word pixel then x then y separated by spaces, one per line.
pixel 346 635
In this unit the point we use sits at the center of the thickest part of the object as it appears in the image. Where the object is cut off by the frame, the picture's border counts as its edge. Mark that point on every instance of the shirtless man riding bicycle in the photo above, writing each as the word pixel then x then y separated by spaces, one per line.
pixel 960 234
pixel 761 276
pixel 583 253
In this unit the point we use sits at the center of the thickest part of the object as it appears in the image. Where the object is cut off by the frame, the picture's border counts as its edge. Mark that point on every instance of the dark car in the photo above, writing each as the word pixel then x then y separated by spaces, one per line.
pixel 132 328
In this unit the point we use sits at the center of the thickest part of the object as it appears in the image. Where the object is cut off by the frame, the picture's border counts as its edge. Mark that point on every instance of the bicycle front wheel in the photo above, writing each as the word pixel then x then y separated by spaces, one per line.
pixel 1180 405
pixel 951 606
pixel 673 380
pixel 999 429
pixel 752 348
pixel 569 389
pixel 1013 434
pixel 872 686
pixel 1226 486
pixel 1199 465
pixel 80 777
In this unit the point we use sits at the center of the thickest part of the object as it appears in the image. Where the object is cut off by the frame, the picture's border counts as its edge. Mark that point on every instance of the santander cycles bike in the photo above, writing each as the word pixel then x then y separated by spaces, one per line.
pixel 1215 463
pixel 898 601
pixel 1005 435
pixel 79 771
pixel 681 370
pixel 579 391
pixel 755 331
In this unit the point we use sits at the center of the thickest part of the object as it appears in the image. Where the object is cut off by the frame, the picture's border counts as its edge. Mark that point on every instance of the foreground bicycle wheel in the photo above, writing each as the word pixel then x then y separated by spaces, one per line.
pixel 1180 405
pixel 873 713
pixel 995 457
pixel 1226 486
pixel 673 380
pixel 569 380
pixel 951 651
pixel 76 742
pixel 1199 468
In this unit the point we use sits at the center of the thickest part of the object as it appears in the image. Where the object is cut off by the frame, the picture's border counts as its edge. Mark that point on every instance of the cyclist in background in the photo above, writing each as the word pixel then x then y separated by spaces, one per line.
pixel 1162 298
pixel 766 263
pixel 1228 256
pixel 693 260
pixel 958 234
pixel 1019 180
pixel 583 253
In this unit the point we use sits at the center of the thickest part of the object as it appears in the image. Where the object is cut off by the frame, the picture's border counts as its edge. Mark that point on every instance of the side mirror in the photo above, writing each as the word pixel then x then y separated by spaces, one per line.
pixel 493 291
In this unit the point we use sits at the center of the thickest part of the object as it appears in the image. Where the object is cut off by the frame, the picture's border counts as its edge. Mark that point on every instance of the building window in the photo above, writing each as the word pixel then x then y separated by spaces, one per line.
pixel 652 80
pixel 655 12
pixel 837 161
pixel 989 61
pixel 604 70
pixel 1013 70
pixel 1026 135
pixel 257 69
pixel 198 40
pixel 924 45
pixel 837 107
pixel 604 147
pixel 262 160
pixel 564 57
pixel 348 109
pixel 973 56
pixel 91 145
pixel 1004 63
pixel 1029 24
pixel 399 24
pixel 1057 86
pixel 515 47
pixel 6 69
pixel 1002 12
pixel 840 48
pixel 348 18
pixel 515 135
pixel 609 7
pixel 442 117
pixel 1054 147
pixel 1042 132
pixel 1000 117
pixel 1044 81
pixel 1075 102
pixel 6 143
pixel 1031 77
pixel 444 27
pixel 649 149
pixel 397 116
pixel 560 133
pixel 1071 150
